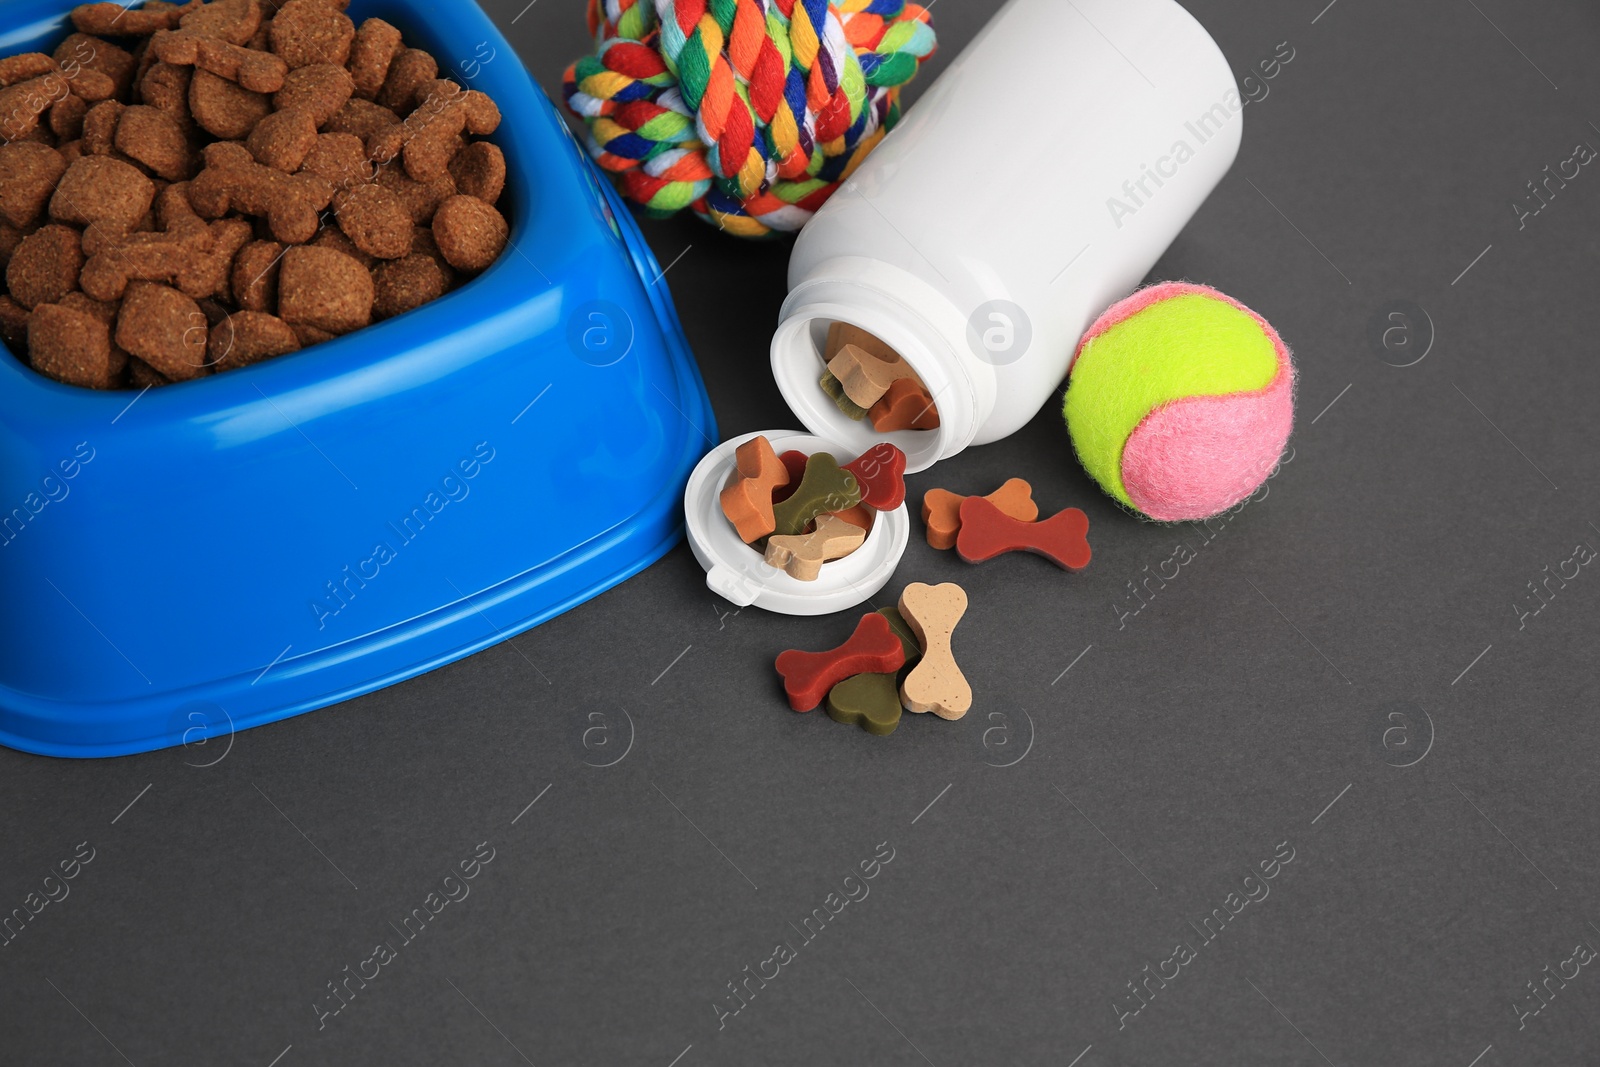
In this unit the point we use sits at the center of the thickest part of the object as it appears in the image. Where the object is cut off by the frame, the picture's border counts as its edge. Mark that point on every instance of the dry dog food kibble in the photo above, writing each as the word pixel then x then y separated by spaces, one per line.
pixel 188 188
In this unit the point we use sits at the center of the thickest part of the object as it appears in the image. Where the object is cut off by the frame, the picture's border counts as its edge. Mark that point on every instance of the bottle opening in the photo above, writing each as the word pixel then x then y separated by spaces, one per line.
pixel 877 362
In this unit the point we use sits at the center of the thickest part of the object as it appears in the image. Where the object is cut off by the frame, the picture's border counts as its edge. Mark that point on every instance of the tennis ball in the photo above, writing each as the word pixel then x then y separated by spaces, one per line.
pixel 1180 401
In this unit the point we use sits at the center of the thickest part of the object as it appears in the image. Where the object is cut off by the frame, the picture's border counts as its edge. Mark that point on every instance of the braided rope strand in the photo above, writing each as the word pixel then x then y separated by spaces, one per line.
pixel 748 112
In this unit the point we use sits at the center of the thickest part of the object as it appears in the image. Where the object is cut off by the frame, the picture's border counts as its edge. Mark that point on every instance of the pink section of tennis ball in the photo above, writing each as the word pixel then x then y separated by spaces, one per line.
pixel 1199 456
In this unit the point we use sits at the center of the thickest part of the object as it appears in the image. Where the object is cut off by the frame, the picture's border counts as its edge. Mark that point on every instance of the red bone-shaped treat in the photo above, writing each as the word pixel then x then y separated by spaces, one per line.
pixel 794 461
pixel 872 649
pixel 987 532
pixel 881 470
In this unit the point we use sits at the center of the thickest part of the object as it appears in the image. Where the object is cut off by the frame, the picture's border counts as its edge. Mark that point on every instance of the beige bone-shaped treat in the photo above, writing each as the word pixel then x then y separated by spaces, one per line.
pixel 866 377
pixel 936 684
pixel 802 555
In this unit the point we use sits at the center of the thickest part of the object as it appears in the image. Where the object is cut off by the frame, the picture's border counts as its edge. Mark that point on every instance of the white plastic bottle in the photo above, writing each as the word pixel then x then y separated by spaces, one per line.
pixel 1035 183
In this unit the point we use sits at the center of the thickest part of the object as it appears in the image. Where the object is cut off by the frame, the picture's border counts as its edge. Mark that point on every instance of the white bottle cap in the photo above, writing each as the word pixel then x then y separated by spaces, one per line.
pixel 738 572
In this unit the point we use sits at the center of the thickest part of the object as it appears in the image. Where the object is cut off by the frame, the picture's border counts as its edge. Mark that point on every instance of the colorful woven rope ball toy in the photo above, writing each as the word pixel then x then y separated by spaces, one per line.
pixel 750 112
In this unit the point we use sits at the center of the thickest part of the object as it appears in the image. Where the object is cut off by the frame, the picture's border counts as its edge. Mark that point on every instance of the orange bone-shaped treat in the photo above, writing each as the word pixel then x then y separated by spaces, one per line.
pixel 861 515
pixel 232 179
pixel 941 510
pixel 430 135
pixel 906 406
pixel 936 684
pixel 987 532
pixel 872 649
pixel 802 555
pixel 843 333
pixel 747 499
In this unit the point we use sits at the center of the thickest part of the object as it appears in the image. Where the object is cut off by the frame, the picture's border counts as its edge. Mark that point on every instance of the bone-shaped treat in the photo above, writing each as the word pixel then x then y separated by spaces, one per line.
pixel 807 676
pixel 259 72
pixel 872 701
pixel 866 377
pixel 177 257
pixel 429 135
pixel 233 180
pixel 79 80
pixel 794 461
pixel 803 555
pixel 835 391
pixel 826 487
pixel 906 406
pixel 859 516
pixel 123 20
pixel 941 510
pixel 936 684
pixel 844 333
pixel 22 104
pixel 987 532
pixel 881 470
pixel 747 498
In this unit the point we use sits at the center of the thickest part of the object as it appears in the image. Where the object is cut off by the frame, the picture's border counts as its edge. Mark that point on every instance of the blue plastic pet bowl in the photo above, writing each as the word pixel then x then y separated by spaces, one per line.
pixel 223 553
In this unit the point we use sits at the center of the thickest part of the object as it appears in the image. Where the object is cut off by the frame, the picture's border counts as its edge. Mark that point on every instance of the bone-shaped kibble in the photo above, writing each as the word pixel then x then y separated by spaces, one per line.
pixel 259 72
pixel 941 510
pixel 987 532
pixel 233 180
pixel 22 104
pixel 906 406
pixel 864 376
pixel 826 487
pixel 936 684
pixel 881 471
pixel 747 498
pixel 124 20
pixel 177 257
pixel 803 555
pixel 81 81
pixel 807 676
pixel 429 134
pixel 872 701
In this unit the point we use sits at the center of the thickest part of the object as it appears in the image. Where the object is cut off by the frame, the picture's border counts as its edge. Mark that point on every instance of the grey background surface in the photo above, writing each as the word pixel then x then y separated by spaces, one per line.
pixel 1438 867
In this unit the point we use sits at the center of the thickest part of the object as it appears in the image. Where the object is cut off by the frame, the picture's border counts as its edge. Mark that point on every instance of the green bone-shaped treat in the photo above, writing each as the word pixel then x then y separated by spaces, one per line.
pixel 835 390
pixel 824 488
pixel 872 701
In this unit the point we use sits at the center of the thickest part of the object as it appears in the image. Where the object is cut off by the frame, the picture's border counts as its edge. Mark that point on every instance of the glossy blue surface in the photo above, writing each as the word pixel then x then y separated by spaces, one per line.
pixel 218 554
